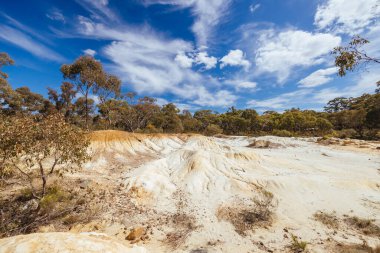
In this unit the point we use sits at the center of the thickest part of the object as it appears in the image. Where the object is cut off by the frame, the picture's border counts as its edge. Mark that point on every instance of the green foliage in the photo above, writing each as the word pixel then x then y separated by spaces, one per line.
pixel 348 117
pixel 54 195
pixel 282 133
pixel 28 143
pixel 88 75
pixel 212 130
pixel 298 245
pixel 348 58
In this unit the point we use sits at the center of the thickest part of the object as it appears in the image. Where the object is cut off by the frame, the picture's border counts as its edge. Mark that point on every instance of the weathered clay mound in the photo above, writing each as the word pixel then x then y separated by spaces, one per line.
pixel 264 144
pixel 64 242
pixel 350 143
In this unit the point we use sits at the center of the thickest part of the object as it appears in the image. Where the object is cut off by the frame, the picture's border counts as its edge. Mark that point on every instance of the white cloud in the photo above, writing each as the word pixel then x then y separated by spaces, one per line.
pixel 373 35
pixel 98 8
pixel 162 101
pixel 56 15
pixel 199 58
pixel 365 83
pixel 318 78
pixel 283 101
pixel 280 53
pixel 208 15
pixel 183 60
pixel 312 98
pixel 235 58
pixel 89 52
pixel 27 43
pixel 247 85
pixel 144 59
pixel 242 85
pixel 203 58
pixel 344 16
pixel 221 98
pixel 254 7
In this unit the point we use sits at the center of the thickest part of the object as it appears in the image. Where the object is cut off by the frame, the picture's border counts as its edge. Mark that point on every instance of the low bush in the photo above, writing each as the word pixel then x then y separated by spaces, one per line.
pixel 298 245
pixel 365 226
pixel 330 220
pixel 257 214
pixel 282 133
pixel 212 130
pixel 346 133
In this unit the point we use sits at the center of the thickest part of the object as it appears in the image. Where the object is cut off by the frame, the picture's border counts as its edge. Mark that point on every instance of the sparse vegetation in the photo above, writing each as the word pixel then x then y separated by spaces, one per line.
pixel 365 226
pixel 182 223
pixel 36 147
pixel 298 245
pixel 243 218
pixel 330 220
pixel 61 207
pixel 356 248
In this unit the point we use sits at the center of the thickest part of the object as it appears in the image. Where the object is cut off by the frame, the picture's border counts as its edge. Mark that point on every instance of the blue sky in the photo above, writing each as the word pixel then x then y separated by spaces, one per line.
pixel 261 54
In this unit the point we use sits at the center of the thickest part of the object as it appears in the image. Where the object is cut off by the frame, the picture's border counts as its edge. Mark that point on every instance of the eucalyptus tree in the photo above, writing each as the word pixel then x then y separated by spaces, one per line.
pixel 89 77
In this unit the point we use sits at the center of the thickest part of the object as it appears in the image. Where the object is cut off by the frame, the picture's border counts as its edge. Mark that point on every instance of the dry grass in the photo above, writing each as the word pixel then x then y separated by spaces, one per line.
pixel 183 224
pixel 365 226
pixel 61 207
pixel 243 218
pixel 356 249
pixel 330 220
pixel 298 245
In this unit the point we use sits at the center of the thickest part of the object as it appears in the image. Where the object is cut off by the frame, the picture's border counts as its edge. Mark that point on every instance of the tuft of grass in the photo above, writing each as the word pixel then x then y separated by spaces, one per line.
pixel 53 196
pixel 365 226
pixel 245 218
pixel 298 245
pixel 61 207
pixel 356 248
pixel 329 220
pixel 25 194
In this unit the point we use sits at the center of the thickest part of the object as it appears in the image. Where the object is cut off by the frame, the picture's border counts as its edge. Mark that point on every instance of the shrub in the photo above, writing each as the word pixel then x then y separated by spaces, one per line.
pixel 53 196
pixel 212 130
pixel 329 220
pixel 298 245
pixel 27 144
pixel 282 133
pixel 151 129
pixel 365 226
pixel 346 133
pixel 244 218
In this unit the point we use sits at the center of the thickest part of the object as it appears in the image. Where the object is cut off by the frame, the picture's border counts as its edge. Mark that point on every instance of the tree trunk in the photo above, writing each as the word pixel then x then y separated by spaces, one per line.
pixel 86 109
pixel 43 177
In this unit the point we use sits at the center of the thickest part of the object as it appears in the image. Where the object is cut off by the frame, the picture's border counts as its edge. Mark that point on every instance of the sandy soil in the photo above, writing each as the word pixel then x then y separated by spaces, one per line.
pixel 174 186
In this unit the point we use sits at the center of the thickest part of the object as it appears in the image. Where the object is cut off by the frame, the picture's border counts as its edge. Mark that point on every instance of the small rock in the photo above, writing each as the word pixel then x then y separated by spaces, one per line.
pixel 31 205
pixel 136 234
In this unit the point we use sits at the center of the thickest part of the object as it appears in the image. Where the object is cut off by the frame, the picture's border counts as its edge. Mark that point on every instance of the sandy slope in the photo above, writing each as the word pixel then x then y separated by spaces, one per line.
pixel 165 175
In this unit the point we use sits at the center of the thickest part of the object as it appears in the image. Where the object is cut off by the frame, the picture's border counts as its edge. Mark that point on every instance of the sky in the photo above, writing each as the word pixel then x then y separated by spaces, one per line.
pixel 198 54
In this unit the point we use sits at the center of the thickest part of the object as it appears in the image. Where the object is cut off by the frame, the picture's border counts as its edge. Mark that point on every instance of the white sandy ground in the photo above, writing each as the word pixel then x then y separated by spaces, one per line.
pixel 208 172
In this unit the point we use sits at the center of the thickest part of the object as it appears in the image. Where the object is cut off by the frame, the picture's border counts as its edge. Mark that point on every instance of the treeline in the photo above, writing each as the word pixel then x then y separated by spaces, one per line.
pixel 91 98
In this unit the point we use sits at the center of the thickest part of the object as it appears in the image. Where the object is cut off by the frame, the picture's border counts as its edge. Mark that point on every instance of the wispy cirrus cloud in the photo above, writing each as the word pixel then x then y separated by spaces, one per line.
pixel 26 42
pixel 316 98
pixel 254 7
pixel 208 15
pixel 56 15
pixel 146 60
pixel 99 9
